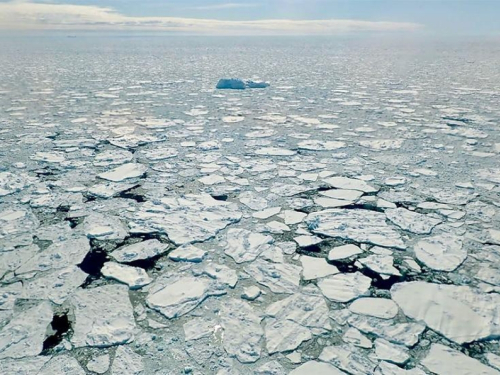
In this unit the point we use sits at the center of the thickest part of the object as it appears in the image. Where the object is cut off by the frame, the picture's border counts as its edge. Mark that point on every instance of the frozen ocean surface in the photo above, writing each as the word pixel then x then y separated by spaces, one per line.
pixel 344 219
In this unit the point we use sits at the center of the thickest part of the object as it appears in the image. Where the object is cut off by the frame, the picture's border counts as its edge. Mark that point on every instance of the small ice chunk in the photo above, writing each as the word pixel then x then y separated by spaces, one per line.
pixel 386 368
pixel 363 226
pixel 295 357
pixel 275 151
pixel 343 252
pixel 443 252
pixel 139 251
pixel 244 245
pixel 412 221
pixel 356 338
pixel 124 172
pixel 315 268
pixel 174 298
pixel 242 330
pixel 345 287
pixel 306 241
pixel 292 217
pixel 251 293
pixel 134 277
pixel 62 364
pixel 127 362
pixel 316 368
pixel 266 213
pixel 212 179
pixel 285 335
pixel 378 307
pixel 256 84
pixel 279 277
pixel 390 352
pixel 24 335
pixel 104 316
pixel 350 184
pixel 187 253
pixel 381 264
pixel 99 364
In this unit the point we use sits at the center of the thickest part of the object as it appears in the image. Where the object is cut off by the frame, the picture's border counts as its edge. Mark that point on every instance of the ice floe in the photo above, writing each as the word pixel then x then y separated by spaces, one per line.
pixel 460 313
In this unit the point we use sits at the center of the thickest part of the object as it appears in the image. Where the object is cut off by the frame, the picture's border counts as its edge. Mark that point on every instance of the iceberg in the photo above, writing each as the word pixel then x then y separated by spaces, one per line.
pixel 239 84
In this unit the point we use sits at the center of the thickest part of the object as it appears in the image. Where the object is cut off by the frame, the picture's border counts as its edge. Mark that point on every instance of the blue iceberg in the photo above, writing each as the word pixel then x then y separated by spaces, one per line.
pixel 239 84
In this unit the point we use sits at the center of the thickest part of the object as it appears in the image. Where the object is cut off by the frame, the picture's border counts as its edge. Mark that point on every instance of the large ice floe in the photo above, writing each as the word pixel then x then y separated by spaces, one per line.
pixel 187 219
pixel 362 226
pixel 459 313
pixel 336 223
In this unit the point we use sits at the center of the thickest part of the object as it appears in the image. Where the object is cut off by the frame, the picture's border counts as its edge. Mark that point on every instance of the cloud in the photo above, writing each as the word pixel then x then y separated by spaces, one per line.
pixel 25 15
pixel 225 6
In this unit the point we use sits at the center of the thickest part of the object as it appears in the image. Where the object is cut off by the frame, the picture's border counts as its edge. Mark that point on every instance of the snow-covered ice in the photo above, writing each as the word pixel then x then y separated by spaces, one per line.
pixel 342 220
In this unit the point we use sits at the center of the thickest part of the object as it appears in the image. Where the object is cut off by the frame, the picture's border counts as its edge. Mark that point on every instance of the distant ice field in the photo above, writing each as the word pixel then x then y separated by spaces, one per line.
pixel 343 220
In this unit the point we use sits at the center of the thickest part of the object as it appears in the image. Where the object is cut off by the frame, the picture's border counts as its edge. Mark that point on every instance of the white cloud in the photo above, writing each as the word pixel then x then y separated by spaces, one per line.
pixel 225 6
pixel 24 15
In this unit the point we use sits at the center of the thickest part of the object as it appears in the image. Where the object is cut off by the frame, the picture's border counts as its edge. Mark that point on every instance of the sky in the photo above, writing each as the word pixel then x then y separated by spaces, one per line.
pixel 243 17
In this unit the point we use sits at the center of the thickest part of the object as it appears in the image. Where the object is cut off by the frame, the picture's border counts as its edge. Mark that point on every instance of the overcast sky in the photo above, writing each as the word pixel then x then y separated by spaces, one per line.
pixel 449 17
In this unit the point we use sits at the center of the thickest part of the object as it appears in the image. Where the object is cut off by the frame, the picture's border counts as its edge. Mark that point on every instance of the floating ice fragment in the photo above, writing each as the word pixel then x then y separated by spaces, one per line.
pixel 124 172
pixel 99 364
pixel 134 277
pixel 242 330
pixel 343 252
pixel 442 360
pixel 345 287
pixel 460 313
pixel 187 253
pixel 178 296
pixel 387 351
pixel 275 151
pixel 251 293
pixel 316 145
pixel 62 364
pixel 23 336
pixel 139 251
pixel 378 307
pixel 443 252
pixel 412 221
pixel 316 268
pixel 187 219
pixel 317 368
pixel 103 316
pixel 284 335
pixel 354 337
pixel 245 246
pixel 356 225
pixel 350 184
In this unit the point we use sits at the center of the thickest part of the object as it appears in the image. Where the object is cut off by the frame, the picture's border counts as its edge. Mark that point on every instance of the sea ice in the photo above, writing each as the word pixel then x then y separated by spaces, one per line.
pixel 378 307
pixel 443 252
pixel 187 219
pixel 139 251
pixel 242 330
pixel 103 316
pixel 345 287
pixel 134 277
pixel 362 226
pixel 124 172
pixel 177 296
pixel 460 313
pixel 442 360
